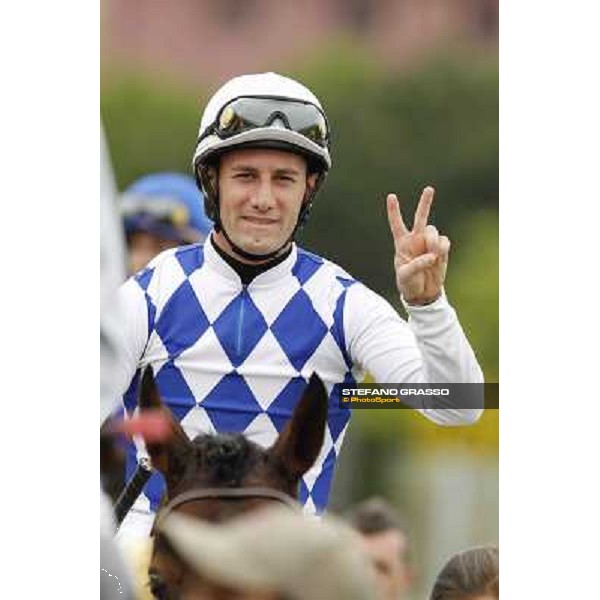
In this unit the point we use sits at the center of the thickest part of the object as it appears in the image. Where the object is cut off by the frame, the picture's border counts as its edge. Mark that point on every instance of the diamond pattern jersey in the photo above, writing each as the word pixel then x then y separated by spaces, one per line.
pixel 234 358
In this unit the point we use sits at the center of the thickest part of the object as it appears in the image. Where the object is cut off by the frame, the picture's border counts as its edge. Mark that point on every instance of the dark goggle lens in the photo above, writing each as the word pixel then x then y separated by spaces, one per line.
pixel 248 113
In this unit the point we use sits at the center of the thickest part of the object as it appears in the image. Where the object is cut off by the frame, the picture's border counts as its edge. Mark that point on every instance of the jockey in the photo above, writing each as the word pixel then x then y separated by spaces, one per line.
pixel 162 211
pixel 233 328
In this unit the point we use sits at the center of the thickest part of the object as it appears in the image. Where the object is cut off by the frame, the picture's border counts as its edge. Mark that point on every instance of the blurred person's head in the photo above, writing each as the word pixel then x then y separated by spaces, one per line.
pixel 262 154
pixel 161 211
pixel 271 554
pixel 384 538
pixel 470 575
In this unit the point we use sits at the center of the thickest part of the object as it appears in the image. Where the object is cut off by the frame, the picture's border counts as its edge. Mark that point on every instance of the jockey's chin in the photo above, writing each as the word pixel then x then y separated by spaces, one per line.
pixel 259 237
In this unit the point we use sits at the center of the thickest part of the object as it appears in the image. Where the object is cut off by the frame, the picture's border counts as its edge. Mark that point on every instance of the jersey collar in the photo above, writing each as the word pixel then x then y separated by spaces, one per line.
pixel 268 277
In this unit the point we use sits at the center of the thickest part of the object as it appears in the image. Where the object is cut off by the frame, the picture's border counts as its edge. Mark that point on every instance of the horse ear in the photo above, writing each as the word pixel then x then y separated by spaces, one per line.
pixel 149 395
pixel 299 444
pixel 168 455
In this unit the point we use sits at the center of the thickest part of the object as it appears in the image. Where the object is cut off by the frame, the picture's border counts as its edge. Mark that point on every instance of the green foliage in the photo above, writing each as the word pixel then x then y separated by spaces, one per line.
pixel 341 64
pixel 392 132
pixel 438 126
pixel 149 127
pixel 473 286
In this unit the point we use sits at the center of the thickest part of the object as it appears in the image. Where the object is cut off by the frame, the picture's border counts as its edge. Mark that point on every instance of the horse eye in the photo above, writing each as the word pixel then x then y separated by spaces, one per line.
pixel 158 587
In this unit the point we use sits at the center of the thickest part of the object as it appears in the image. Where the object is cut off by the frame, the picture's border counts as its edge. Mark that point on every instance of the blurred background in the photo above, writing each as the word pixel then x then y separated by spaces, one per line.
pixel 411 91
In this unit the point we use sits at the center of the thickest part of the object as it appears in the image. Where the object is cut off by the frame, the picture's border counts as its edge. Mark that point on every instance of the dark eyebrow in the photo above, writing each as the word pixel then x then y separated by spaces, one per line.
pixel 287 172
pixel 243 168
pixel 278 172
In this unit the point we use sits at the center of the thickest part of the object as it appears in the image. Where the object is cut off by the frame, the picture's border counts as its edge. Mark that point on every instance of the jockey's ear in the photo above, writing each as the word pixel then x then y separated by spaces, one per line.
pixel 299 444
pixel 169 455
pixel 311 182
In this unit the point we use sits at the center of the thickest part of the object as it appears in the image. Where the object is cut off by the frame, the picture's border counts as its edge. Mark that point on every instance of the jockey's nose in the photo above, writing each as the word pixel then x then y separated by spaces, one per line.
pixel 264 198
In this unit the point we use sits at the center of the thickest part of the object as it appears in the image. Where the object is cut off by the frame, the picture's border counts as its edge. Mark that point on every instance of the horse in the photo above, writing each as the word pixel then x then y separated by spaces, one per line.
pixel 217 477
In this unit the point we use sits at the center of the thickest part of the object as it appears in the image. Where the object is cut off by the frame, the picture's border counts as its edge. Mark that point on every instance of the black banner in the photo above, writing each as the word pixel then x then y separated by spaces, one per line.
pixel 417 395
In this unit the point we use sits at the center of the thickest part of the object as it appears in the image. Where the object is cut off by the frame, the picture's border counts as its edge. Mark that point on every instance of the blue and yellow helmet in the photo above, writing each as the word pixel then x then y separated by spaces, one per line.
pixel 168 205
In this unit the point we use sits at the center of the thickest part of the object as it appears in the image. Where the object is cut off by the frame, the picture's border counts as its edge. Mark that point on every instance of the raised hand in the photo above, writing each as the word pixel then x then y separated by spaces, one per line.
pixel 421 255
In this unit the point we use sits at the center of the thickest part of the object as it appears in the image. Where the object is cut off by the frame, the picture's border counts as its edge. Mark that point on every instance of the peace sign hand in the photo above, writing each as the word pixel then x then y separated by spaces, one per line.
pixel 421 255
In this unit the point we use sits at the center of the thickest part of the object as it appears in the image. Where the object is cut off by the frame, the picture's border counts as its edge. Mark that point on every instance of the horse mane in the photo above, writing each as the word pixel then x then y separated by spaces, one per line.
pixel 226 458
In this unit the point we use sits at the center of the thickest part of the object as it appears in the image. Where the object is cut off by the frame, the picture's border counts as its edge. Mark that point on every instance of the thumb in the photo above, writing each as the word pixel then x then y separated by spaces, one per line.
pixel 416 265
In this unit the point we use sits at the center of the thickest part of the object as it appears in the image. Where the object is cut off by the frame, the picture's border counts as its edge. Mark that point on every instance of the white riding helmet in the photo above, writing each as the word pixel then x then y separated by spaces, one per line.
pixel 266 86
pixel 265 110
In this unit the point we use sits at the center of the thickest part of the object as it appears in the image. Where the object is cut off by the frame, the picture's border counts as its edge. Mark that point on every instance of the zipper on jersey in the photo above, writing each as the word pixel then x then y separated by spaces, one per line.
pixel 240 323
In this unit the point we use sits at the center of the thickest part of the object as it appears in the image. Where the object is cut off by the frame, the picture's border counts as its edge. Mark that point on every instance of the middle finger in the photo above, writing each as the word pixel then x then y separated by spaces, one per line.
pixel 423 208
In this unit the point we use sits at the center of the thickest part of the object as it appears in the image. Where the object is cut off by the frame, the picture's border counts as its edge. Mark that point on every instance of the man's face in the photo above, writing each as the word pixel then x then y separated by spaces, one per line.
pixel 260 196
pixel 387 551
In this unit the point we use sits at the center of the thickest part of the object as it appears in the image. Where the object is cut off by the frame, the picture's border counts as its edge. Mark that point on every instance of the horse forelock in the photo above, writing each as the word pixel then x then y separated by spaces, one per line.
pixel 225 459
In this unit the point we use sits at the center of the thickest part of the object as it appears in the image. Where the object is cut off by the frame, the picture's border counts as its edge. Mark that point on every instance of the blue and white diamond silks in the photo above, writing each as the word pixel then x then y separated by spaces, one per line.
pixel 234 358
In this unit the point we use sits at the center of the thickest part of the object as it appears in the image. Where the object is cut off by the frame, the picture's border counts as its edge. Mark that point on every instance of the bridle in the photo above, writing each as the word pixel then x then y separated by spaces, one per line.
pixel 211 494
pixel 222 493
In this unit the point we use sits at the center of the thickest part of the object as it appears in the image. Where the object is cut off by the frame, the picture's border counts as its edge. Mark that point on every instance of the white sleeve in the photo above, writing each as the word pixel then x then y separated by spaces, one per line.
pixel 430 348
pixel 134 307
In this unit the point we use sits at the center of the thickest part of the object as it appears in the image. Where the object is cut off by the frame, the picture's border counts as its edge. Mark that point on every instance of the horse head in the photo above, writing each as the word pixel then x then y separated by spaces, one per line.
pixel 215 477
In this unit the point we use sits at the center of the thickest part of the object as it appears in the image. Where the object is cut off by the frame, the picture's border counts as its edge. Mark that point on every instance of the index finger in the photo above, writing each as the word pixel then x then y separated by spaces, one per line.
pixel 423 208
pixel 397 225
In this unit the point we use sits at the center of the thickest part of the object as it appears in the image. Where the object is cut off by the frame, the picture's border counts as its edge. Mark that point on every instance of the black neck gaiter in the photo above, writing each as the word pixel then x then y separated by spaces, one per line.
pixel 248 272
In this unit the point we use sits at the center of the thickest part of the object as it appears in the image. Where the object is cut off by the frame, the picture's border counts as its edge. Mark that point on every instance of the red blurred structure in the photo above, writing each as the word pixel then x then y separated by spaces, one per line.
pixel 200 40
